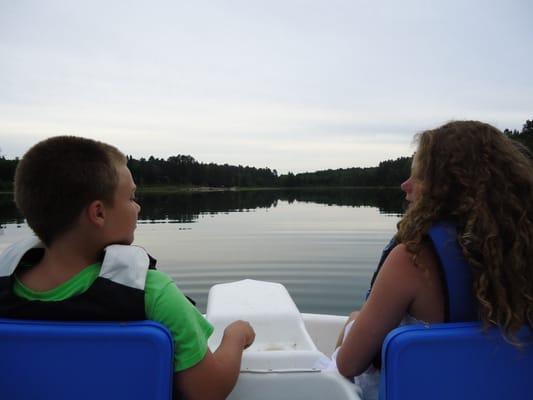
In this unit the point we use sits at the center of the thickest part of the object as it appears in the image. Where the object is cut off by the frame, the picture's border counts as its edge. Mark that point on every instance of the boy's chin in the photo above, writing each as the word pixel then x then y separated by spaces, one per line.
pixel 124 242
pixel 127 242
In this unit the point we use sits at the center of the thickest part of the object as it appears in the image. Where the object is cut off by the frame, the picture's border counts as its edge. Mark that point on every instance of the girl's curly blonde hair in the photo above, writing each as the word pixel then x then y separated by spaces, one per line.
pixel 472 174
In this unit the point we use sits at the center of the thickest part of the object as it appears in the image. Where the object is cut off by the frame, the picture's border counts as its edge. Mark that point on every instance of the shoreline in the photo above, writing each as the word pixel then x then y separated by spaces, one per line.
pixel 207 189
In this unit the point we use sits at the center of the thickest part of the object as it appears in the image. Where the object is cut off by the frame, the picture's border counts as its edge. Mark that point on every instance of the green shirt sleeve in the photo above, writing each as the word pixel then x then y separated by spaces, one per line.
pixel 166 304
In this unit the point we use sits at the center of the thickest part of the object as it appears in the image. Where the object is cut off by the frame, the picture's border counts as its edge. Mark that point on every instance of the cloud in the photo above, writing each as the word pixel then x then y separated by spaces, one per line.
pixel 264 84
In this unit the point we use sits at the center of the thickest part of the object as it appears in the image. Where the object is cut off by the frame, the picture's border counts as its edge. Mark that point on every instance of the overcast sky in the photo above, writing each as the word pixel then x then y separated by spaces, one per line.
pixel 290 85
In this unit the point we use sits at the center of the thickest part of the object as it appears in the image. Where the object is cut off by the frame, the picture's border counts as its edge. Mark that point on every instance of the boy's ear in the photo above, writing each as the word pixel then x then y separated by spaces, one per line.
pixel 96 213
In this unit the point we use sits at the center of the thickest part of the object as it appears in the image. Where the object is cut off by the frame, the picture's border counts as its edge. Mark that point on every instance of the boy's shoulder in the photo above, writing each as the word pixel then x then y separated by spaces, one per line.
pixel 126 264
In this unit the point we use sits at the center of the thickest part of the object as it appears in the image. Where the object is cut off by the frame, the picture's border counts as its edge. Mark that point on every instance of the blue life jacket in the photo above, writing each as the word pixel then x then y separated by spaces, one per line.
pixel 460 303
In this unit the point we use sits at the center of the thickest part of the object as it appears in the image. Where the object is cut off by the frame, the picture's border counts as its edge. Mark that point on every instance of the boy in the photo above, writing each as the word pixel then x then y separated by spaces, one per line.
pixel 79 198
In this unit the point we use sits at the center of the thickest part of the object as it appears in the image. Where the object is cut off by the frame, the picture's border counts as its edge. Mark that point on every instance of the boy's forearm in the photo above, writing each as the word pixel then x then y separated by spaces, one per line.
pixel 214 377
pixel 228 356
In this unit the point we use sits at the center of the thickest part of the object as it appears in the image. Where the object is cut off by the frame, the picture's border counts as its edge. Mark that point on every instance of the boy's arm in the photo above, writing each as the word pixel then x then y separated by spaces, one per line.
pixel 199 374
pixel 215 376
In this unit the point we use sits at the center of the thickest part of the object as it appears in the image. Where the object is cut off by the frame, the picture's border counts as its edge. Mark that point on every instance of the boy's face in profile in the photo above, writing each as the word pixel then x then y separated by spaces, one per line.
pixel 121 218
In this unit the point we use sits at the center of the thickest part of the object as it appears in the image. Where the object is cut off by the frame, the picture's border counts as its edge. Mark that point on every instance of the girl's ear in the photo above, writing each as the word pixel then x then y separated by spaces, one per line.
pixel 95 213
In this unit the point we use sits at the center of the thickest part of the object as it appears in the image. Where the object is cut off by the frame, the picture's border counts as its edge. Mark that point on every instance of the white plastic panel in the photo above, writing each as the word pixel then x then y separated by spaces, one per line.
pixel 293 386
pixel 281 364
pixel 282 342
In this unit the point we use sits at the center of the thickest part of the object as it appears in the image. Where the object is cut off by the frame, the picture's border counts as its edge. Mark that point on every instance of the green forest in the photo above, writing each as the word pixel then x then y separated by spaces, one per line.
pixel 185 171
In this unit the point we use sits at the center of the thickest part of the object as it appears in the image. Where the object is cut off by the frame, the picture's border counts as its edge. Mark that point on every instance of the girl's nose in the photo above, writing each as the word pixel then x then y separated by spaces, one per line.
pixel 406 186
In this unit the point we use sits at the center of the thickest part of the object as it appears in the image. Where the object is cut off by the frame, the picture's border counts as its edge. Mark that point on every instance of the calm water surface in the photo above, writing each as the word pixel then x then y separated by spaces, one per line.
pixel 322 245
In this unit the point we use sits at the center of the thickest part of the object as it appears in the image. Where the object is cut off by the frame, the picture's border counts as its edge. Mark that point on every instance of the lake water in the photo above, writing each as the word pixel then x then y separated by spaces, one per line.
pixel 323 245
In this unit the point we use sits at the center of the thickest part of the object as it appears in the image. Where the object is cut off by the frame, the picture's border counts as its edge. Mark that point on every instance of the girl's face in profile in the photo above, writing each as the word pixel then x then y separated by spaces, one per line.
pixel 413 185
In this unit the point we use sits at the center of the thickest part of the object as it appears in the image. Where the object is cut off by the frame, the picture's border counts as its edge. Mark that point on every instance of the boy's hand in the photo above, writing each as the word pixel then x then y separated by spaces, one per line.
pixel 241 329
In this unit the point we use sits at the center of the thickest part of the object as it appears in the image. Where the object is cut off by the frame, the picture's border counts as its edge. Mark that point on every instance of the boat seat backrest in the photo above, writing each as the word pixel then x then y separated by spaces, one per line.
pixel 56 360
pixel 455 361
pixel 270 309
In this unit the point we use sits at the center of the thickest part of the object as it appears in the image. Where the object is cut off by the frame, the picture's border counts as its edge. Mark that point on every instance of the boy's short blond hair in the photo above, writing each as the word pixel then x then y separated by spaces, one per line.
pixel 60 176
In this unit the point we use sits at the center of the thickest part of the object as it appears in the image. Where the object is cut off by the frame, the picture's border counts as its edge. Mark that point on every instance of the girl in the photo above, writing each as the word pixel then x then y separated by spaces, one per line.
pixel 475 186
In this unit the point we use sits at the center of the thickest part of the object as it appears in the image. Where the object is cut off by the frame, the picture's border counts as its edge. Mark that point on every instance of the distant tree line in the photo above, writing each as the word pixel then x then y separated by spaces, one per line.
pixel 525 136
pixel 387 173
pixel 7 172
pixel 184 170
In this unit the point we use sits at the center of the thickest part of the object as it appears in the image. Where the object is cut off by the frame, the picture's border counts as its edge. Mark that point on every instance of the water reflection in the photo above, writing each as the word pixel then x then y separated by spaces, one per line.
pixel 9 214
pixel 388 201
pixel 324 255
pixel 186 207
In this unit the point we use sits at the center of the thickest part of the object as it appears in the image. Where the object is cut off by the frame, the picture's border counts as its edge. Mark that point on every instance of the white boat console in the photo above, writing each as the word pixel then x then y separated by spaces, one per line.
pixel 281 363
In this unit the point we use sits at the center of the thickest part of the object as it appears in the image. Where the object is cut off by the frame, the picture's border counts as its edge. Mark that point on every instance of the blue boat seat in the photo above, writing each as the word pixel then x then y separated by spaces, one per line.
pixel 455 361
pixel 85 360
